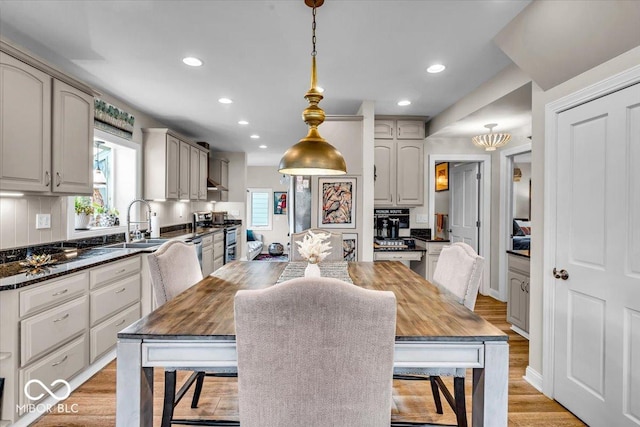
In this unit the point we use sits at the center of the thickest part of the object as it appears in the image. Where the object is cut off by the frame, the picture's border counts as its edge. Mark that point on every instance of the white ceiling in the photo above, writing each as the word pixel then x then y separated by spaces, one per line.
pixel 258 54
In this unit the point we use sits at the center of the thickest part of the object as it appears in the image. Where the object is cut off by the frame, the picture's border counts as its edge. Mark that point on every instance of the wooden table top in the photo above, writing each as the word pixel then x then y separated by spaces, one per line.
pixel 205 311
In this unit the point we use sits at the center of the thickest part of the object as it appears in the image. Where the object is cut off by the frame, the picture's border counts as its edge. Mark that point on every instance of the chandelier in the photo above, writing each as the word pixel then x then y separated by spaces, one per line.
pixel 312 155
pixel 490 141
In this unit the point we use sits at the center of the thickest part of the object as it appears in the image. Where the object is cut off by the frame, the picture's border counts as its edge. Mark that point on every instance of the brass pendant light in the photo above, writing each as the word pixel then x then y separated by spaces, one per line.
pixel 312 155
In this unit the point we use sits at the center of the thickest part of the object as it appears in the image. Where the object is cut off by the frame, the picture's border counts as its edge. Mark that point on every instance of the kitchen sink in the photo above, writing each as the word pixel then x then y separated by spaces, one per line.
pixel 139 244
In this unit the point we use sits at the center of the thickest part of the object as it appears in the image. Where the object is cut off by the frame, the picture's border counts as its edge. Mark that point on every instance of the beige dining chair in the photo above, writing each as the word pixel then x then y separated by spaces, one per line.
pixel 315 352
pixel 173 268
pixel 335 240
pixel 459 271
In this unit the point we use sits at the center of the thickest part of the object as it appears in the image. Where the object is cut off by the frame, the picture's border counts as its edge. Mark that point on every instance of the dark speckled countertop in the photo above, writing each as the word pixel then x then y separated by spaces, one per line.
pixel 525 253
pixel 13 275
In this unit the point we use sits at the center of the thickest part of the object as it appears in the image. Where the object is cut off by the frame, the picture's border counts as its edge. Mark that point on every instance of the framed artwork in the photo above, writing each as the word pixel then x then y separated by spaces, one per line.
pixel 350 246
pixel 279 202
pixel 442 177
pixel 336 204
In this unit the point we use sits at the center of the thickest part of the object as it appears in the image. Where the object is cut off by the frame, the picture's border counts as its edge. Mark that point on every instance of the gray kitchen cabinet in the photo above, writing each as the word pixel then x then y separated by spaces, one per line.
pixel 203 163
pixel 518 293
pixel 218 250
pixel 433 253
pixel 46 131
pixel 399 172
pixel 219 173
pixel 398 129
pixel 207 255
pixel 168 161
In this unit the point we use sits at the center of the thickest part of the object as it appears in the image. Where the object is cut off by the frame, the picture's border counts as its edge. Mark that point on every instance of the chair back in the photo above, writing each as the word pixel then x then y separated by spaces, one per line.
pixel 459 270
pixel 173 268
pixel 315 352
pixel 335 240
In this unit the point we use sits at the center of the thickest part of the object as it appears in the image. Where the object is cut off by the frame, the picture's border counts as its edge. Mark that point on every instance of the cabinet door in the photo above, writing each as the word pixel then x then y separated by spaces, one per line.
pixel 194 173
pixel 384 129
pixel 25 126
pixel 224 173
pixel 410 173
pixel 173 167
pixel 183 170
pixel 202 177
pixel 207 260
pixel 410 129
pixel 72 140
pixel 517 300
pixel 385 173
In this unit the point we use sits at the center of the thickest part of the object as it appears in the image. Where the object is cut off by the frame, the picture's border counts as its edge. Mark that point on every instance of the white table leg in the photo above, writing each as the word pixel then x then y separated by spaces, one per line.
pixel 134 386
pixel 491 387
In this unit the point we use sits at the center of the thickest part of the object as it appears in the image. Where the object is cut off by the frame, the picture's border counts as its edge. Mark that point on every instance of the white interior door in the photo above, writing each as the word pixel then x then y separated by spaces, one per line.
pixel 463 209
pixel 597 307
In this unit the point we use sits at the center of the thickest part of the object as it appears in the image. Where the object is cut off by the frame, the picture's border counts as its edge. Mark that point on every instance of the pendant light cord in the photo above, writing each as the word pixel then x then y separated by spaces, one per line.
pixel 313 30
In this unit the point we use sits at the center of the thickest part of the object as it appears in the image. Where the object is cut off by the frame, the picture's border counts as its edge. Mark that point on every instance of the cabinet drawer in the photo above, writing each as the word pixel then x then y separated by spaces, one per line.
pixel 520 264
pixel 113 271
pixel 105 335
pixel 207 240
pixel 397 256
pixel 53 293
pixel 218 249
pixel 62 364
pixel 45 331
pixel 435 248
pixel 113 298
pixel 217 263
pixel 218 237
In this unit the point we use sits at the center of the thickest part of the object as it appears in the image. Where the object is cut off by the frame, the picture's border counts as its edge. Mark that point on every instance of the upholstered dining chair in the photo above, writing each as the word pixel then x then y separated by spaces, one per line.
pixel 315 352
pixel 459 271
pixel 173 268
pixel 336 245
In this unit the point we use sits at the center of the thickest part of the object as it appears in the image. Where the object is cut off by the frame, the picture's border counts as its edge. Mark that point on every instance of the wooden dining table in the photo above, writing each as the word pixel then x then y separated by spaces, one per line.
pixel 195 330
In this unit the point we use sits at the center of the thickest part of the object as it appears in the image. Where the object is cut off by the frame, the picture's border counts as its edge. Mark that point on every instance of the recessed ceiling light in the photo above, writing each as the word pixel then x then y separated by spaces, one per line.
pixel 436 68
pixel 192 61
pixel 243 122
pixel 404 103
pixel 263 146
pixel 254 136
pixel 225 101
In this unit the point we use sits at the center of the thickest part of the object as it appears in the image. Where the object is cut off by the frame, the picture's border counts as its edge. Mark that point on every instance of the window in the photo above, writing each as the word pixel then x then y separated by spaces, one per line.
pixel 115 176
pixel 259 208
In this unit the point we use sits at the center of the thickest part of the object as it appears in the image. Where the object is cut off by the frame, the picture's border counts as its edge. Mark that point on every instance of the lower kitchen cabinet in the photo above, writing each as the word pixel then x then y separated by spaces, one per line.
pixel 218 250
pixel 58 328
pixel 207 255
pixel 518 294
pixel 433 253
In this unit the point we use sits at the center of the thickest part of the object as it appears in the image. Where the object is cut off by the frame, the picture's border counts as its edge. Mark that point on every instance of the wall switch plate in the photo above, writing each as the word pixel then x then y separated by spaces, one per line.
pixel 43 221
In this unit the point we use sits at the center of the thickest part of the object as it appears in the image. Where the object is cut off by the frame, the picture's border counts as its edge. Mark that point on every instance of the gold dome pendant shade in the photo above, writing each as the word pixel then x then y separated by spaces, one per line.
pixel 312 155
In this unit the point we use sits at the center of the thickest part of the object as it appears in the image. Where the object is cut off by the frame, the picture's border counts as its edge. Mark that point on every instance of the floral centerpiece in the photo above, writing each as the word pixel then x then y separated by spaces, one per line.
pixel 314 249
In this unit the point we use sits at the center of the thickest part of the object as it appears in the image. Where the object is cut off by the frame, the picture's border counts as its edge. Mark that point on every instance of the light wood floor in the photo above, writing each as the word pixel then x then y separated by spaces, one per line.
pixel 411 399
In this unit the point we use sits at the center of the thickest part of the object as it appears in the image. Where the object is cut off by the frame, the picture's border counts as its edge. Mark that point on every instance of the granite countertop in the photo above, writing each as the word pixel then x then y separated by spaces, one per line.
pixel 13 275
pixel 525 253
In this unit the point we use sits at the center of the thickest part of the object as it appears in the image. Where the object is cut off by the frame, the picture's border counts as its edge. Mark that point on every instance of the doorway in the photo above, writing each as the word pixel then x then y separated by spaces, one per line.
pixel 483 162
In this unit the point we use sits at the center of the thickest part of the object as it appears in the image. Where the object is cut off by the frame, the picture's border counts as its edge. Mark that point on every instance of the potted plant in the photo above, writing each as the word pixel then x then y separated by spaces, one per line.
pixel 84 212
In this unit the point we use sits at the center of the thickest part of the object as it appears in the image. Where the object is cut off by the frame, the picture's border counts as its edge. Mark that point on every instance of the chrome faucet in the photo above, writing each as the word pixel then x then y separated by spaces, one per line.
pixel 129 222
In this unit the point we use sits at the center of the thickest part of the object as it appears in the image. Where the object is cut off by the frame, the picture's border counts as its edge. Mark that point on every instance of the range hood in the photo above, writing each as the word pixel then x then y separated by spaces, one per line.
pixel 212 185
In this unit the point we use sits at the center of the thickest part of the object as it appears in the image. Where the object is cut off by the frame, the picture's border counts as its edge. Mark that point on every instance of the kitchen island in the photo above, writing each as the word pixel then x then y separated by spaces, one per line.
pixel 196 330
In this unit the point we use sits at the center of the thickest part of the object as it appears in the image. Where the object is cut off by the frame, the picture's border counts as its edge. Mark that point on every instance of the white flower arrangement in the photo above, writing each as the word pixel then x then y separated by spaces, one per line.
pixel 313 247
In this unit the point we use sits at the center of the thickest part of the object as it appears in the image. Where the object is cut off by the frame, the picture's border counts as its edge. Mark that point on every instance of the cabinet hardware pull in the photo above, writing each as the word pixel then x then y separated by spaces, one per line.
pixel 61 318
pixel 121 271
pixel 47 179
pixel 64 291
pixel 58 179
pixel 526 288
pixel 121 290
pixel 522 286
pixel 119 323
pixel 60 361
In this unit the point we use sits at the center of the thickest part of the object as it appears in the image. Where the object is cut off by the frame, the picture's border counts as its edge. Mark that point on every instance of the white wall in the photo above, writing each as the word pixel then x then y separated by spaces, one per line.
pixel 521 192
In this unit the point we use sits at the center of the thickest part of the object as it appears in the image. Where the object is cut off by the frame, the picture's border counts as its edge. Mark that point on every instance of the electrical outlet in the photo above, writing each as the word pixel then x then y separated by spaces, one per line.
pixel 43 221
pixel 422 218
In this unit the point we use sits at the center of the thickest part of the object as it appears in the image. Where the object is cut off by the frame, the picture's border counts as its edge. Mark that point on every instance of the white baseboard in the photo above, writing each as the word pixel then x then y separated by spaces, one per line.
pixel 519 331
pixel 495 295
pixel 76 382
pixel 534 378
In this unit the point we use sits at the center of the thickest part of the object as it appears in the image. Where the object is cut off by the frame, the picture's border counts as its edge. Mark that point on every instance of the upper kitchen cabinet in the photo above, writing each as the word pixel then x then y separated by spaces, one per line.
pixel 219 172
pixel 399 129
pixel 46 130
pixel 171 165
pixel 399 170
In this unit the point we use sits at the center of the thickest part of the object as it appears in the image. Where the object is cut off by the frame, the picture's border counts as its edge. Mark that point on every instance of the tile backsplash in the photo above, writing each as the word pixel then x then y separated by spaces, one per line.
pixel 18 220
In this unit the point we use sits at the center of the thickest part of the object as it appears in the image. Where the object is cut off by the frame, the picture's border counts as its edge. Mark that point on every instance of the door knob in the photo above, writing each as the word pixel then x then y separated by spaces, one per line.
pixel 562 274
